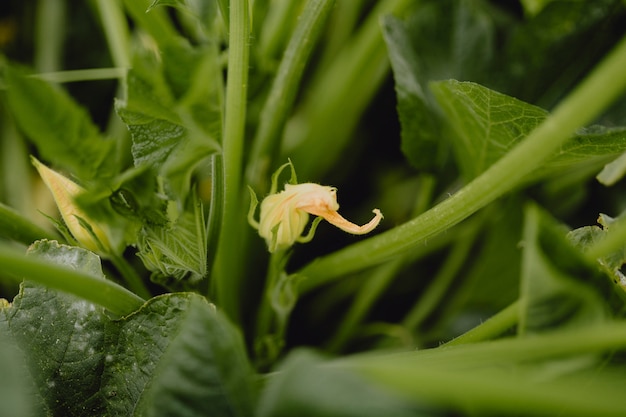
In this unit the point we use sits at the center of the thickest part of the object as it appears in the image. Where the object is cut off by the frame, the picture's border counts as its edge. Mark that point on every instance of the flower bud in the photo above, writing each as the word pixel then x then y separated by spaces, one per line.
pixel 64 192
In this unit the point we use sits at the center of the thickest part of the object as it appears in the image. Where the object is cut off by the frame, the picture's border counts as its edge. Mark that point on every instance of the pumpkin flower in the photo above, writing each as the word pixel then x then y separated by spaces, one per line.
pixel 86 232
pixel 285 214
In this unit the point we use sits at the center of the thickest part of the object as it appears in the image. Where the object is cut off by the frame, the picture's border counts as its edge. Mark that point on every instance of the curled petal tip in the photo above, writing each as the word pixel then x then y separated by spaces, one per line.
pixel 337 220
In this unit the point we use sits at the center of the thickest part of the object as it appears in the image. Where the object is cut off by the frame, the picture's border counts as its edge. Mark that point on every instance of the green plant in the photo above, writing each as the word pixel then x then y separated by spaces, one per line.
pixel 152 294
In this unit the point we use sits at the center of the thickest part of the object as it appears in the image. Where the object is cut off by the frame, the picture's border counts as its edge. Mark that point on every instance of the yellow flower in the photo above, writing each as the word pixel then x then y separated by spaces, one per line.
pixel 284 215
pixel 64 192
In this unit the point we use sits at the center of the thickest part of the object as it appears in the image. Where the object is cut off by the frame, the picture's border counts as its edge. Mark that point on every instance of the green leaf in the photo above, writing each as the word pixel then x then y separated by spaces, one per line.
pixel 61 129
pixel 548 54
pixel 559 289
pixel 303 386
pixel 16 386
pixel 419 52
pixel 587 236
pixel 173 112
pixel 488 124
pixel 175 356
pixel 177 250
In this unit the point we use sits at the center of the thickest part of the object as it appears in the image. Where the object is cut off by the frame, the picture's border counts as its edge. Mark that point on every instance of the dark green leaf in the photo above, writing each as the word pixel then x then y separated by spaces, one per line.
pixel 62 130
pixel 420 52
pixel 17 393
pixel 175 356
pixel 548 54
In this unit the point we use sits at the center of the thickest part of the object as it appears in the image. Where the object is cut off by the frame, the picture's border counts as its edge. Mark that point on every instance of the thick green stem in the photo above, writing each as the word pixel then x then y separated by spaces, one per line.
pixel 49 32
pixel 585 103
pixel 284 88
pixel 106 293
pixel 318 133
pixel 116 31
pixel 228 266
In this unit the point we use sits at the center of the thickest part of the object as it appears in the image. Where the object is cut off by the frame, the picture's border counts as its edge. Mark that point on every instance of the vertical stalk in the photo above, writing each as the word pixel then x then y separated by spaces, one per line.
pixel 227 273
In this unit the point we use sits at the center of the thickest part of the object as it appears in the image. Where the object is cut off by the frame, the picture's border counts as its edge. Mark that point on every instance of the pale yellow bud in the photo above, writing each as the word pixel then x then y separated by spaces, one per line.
pixel 64 192
pixel 284 215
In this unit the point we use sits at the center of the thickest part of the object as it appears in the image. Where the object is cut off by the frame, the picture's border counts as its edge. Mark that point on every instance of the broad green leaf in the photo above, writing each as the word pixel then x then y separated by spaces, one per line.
pixel 559 289
pixel 421 128
pixel 17 394
pixel 175 356
pixel 60 335
pixel 182 357
pixel 62 130
pixel 303 386
pixel 488 124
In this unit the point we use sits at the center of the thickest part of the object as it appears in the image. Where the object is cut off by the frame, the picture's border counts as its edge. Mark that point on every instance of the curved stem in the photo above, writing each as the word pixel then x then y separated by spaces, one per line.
pixel 108 294
pixel 585 103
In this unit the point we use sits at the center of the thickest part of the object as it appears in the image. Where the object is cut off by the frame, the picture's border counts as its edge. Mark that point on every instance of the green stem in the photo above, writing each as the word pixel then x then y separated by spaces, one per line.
pixel 49 31
pixel 437 290
pixel 585 103
pixel 284 88
pixel 116 31
pixel 318 133
pixel 266 316
pixel 493 327
pixel 130 276
pixel 113 297
pixel 82 75
pixel 487 376
pixel 228 267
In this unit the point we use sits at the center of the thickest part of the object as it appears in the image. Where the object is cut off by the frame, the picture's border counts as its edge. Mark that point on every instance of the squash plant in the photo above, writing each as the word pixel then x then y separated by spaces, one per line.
pixel 167 166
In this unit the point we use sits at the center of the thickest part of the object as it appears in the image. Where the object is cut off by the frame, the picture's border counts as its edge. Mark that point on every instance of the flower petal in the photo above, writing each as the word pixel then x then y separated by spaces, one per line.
pixel 339 221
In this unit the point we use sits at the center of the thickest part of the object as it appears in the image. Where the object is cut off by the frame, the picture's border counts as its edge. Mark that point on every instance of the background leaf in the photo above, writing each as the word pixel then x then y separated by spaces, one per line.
pixel 419 52
pixel 558 289
pixel 61 129
pixel 488 124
